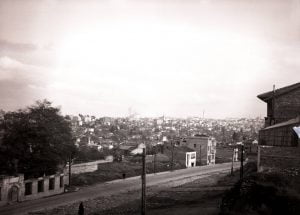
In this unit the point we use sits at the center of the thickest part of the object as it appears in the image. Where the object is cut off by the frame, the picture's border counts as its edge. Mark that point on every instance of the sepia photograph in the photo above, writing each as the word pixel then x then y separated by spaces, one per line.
pixel 149 107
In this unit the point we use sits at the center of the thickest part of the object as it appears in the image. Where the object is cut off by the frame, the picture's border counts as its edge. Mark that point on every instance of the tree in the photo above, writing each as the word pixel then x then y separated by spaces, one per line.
pixel 37 140
pixel 235 137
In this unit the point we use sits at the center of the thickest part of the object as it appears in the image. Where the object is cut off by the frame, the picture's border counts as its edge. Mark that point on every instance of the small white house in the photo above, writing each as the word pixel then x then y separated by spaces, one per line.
pixel 190 159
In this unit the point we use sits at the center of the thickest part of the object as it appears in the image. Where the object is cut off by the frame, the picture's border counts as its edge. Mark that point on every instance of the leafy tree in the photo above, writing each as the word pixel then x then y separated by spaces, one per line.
pixel 36 140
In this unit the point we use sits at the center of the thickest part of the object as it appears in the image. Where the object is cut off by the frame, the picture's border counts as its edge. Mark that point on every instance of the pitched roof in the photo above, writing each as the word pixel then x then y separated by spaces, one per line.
pixel 268 95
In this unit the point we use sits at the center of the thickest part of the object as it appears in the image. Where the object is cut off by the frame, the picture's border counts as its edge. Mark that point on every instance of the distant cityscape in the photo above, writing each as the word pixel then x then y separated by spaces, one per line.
pixel 108 132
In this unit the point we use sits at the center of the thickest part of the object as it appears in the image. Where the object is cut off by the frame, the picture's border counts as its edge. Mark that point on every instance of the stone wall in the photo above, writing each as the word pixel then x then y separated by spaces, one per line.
pixel 16 189
pixel 35 194
pixel 88 166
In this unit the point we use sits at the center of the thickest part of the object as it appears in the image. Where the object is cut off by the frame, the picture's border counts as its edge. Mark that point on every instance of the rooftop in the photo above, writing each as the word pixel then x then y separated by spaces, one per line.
pixel 278 92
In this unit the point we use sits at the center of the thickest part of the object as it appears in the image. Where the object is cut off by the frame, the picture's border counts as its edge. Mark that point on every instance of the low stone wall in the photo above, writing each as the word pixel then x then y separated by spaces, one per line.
pixel 88 166
pixel 47 189
pixel 15 189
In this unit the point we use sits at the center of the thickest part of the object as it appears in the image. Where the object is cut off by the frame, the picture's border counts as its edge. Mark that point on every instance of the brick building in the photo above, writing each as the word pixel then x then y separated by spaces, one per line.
pixel 278 140
pixel 205 147
pixel 283 111
pixel 282 104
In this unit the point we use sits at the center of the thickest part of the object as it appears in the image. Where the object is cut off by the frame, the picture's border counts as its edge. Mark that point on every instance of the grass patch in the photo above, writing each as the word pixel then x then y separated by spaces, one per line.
pixel 115 170
pixel 263 193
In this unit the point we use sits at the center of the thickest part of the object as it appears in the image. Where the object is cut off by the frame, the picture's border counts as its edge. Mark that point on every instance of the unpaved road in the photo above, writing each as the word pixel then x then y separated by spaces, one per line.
pixel 113 188
pixel 202 196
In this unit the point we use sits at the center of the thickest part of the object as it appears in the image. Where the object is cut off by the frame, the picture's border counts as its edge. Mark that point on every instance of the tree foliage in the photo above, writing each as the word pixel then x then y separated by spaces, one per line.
pixel 36 140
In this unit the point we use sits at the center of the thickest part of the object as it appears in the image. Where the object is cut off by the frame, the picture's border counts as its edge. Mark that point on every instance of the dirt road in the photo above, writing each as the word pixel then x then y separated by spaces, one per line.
pixel 114 187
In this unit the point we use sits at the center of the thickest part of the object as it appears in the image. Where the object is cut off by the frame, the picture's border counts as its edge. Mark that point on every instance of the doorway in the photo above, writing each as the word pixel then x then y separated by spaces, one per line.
pixel 13 194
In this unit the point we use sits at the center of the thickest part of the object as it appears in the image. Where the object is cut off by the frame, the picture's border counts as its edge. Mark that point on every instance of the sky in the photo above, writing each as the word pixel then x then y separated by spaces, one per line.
pixel 154 57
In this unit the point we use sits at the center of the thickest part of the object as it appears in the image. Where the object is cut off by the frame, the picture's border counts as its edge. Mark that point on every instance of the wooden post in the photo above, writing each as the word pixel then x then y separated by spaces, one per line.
pixel 143 211
pixel 70 164
pixel 154 162
pixel 200 155
pixel 231 173
pixel 242 167
pixel 172 158
pixel 258 158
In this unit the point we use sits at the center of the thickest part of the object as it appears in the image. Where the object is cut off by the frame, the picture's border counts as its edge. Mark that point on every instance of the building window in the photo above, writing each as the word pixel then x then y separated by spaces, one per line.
pixel 195 145
pixel 51 183
pixel 61 181
pixel 40 186
pixel 28 188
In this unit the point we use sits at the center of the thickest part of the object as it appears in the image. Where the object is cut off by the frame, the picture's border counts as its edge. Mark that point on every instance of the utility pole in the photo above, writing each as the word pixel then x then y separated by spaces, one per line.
pixel 242 167
pixel 70 164
pixel 172 158
pixel 143 211
pixel 231 173
pixel 154 160
pixel 200 155
pixel 273 107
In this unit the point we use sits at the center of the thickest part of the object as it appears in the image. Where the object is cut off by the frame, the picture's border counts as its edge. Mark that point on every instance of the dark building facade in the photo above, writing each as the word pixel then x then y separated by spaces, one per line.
pixel 283 111
pixel 282 104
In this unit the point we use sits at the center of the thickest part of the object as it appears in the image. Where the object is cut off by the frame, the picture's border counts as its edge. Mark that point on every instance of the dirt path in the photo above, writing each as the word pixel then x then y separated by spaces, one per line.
pixel 202 196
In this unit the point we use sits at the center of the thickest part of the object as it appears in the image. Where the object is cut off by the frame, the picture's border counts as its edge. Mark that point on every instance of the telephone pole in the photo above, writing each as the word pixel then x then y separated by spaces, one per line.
pixel 231 173
pixel 154 160
pixel 200 155
pixel 143 211
pixel 242 167
pixel 70 164
pixel 172 158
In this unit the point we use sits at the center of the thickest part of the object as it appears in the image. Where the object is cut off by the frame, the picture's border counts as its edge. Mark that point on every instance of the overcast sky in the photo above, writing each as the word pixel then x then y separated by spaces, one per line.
pixel 156 57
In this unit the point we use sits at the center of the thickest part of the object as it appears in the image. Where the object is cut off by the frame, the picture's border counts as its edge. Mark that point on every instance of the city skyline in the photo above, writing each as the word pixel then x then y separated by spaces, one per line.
pixel 155 57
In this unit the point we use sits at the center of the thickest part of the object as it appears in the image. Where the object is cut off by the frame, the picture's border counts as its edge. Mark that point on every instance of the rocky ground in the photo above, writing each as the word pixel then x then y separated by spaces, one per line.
pixel 202 196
